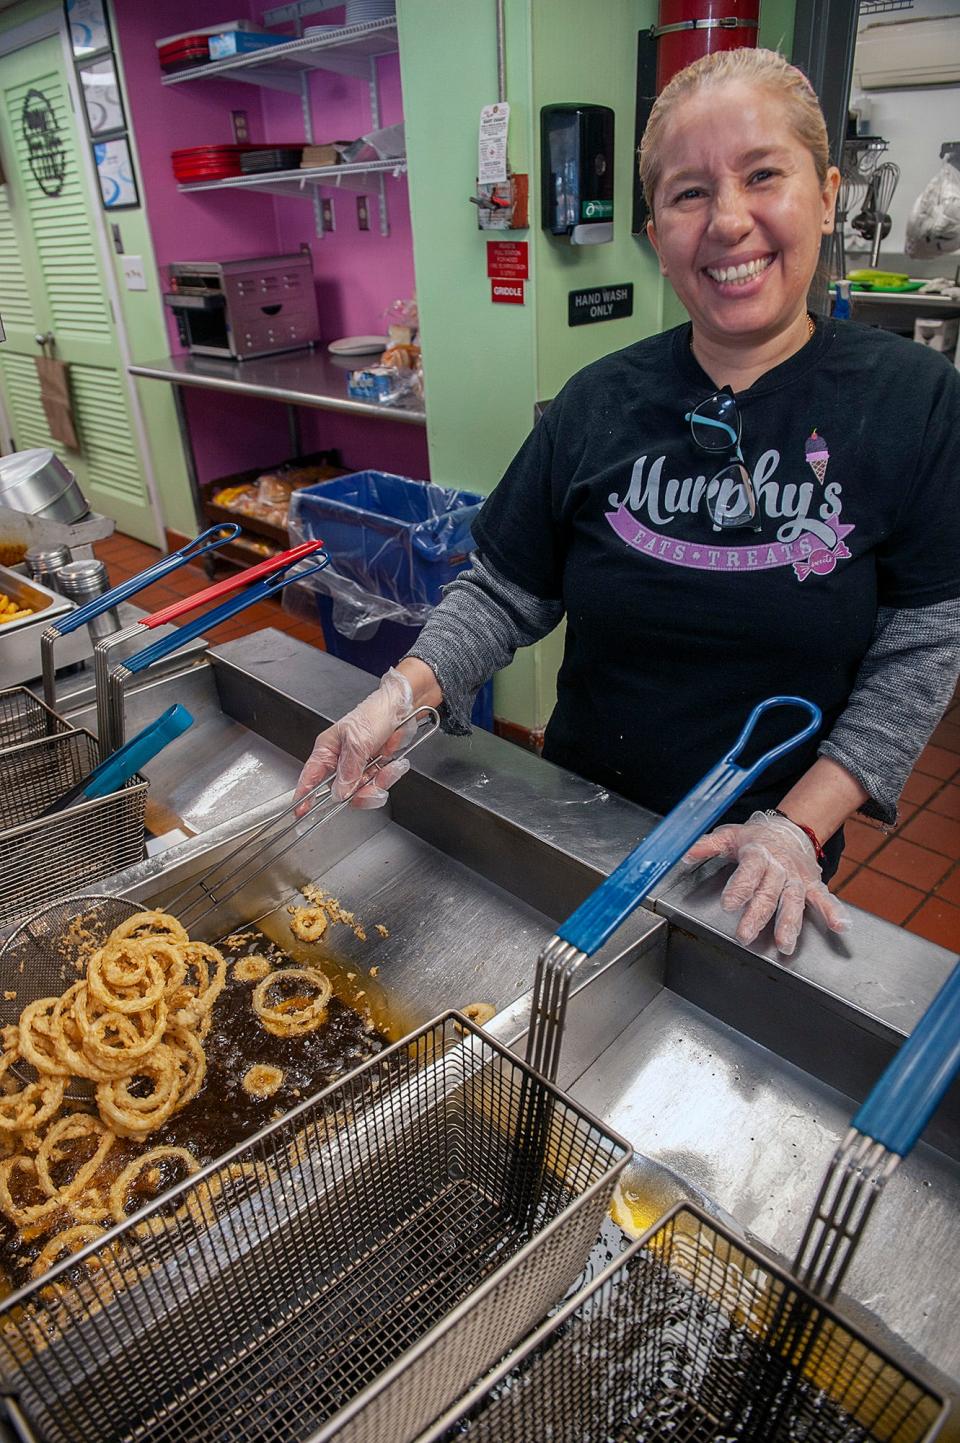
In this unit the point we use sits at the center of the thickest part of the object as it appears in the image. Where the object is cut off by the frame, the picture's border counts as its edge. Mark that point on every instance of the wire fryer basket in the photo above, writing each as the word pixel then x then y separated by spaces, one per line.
pixel 49 857
pixel 23 717
pixel 692 1337
pixel 348 1272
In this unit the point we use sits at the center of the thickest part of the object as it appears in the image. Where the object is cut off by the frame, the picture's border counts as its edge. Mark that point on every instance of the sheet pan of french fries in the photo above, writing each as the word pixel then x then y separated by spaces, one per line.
pixel 11 611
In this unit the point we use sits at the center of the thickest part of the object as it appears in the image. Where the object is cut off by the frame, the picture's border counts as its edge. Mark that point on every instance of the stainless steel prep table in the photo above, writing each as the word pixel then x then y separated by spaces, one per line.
pixel 297 378
pixel 733 1072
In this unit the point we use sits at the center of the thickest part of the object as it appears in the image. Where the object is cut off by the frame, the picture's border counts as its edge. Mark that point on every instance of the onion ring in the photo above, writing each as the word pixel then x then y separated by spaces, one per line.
pixel 37 1044
pixel 262 1080
pixel 119 1188
pixel 117 1001
pixel 70 1129
pixel 152 923
pixel 132 1116
pixel 70 1241
pixel 309 923
pixel 282 1020
pixel 251 968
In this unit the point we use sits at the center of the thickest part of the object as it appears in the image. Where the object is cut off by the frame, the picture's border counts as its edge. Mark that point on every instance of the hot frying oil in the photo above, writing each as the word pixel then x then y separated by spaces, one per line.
pixel 223 1113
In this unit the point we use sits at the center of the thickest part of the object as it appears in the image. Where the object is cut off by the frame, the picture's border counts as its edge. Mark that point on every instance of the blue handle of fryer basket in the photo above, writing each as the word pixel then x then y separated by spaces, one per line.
pixel 601 914
pixel 127 760
pixel 908 1094
pixel 208 540
pixel 210 619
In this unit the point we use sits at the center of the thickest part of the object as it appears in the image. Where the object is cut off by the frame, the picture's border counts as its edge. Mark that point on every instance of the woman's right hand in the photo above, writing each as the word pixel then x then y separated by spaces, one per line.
pixel 346 748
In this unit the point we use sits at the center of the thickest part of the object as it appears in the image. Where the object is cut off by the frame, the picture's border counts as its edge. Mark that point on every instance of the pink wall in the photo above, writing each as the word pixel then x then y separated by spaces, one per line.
pixel 358 273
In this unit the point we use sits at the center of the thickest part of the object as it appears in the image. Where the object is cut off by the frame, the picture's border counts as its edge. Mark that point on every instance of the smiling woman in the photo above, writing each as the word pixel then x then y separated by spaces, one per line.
pixel 738 225
pixel 757 503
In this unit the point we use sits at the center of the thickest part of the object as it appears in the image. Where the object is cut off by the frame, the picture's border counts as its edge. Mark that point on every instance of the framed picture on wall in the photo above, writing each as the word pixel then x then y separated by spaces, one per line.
pixel 89 30
pixel 118 184
pixel 101 96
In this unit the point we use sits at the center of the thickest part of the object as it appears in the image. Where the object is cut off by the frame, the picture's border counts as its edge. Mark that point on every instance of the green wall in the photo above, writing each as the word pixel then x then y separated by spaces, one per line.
pixel 146 332
pixel 486 364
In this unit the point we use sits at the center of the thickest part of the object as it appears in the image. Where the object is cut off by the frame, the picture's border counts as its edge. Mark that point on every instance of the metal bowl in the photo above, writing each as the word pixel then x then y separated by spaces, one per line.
pixel 39 484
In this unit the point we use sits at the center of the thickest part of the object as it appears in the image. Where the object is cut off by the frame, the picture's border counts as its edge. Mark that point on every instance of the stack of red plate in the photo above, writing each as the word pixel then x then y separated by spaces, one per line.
pixel 208 162
pixel 184 52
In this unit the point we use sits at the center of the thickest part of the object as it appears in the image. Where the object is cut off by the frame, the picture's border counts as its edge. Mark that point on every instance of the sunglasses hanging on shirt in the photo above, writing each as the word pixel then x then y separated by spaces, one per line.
pixel 716 427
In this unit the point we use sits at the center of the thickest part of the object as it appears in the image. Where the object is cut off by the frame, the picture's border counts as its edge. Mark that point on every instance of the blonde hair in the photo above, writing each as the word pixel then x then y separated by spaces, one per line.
pixel 756 67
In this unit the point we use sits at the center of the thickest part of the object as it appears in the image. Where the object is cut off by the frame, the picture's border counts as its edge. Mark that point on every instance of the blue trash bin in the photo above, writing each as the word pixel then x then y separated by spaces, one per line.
pixel 393 543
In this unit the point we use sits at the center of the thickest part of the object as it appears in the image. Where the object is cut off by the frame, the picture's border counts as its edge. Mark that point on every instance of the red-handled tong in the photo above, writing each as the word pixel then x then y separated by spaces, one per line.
pixel 273 565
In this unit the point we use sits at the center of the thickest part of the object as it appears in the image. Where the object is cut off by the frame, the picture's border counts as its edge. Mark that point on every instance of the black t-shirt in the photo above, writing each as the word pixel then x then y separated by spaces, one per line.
pixel 675 630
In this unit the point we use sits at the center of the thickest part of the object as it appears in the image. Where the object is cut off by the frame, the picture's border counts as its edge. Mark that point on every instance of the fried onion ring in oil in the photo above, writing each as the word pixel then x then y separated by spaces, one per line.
pixel 283 1020
pixel 67 1242
pixel 124 1181
pixel 252 968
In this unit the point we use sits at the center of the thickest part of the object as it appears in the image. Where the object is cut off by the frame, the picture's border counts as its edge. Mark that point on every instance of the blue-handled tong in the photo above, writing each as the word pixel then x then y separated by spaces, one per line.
pixel 117 770
pixel 882 1133
pixel 596 919
pixel 294 570
pixel 209 540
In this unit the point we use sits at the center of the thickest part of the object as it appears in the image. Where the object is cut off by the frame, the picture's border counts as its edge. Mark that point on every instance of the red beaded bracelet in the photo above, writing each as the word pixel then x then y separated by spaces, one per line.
pixel 807 831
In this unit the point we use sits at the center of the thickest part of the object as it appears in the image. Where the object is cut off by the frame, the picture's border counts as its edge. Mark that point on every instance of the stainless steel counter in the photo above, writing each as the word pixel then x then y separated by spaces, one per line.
pixel 733 1072
pixel 301 378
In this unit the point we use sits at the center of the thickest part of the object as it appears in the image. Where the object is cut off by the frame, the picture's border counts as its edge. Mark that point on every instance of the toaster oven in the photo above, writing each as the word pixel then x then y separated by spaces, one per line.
pixel 244 308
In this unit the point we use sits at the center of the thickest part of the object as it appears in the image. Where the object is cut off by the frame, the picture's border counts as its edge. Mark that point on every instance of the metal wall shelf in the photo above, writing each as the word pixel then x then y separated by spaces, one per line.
pixel 347 50
pixel 362 176
pixel 344 49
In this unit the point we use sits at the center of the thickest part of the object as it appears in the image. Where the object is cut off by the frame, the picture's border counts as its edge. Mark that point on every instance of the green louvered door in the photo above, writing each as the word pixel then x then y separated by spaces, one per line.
pixel 51 280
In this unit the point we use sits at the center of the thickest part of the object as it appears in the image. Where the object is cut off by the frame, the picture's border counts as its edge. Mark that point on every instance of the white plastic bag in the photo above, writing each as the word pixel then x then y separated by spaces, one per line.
pixel 934 224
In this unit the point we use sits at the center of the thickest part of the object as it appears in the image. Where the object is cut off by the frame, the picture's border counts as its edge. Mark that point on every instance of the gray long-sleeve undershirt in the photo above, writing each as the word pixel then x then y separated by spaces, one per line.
pixel 905 680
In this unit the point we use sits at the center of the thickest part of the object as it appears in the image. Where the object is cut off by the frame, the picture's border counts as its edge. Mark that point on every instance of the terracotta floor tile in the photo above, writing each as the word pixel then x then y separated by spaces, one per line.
pixel 907 811
pixel 844 872
pixel 881 895
pixel 947 735
pixel 862 840
pixel 948 890
pixel 946 801
pixel 188 580
pixel 912 864
pixel 938 922
pixel 938 833
pixel 306 631
pixel 919 788
pixel 938 762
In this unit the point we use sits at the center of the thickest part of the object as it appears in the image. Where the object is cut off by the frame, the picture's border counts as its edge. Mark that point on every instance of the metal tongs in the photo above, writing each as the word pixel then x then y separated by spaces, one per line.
pixel 261 580
pixel 585 932
pixel 273 838
pixel 209 540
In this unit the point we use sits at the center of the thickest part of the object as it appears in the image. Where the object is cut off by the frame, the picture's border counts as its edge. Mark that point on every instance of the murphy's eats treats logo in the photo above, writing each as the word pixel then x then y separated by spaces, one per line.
pixel 809 534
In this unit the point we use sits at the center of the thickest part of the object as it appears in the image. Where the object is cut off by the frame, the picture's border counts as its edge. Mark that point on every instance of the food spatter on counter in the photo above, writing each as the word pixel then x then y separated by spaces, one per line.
pixel 153 1020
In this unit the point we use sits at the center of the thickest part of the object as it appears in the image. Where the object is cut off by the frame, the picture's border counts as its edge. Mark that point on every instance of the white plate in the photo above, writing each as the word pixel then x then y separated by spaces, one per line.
pixel 358 345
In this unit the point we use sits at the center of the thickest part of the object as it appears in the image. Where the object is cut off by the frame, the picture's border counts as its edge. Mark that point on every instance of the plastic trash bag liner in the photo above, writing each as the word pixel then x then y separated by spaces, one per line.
pixel 393 544
pixel 933 227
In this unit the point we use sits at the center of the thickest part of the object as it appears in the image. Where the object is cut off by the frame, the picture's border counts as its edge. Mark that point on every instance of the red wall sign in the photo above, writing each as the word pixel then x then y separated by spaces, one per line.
pixel 508 260
pixel 507 293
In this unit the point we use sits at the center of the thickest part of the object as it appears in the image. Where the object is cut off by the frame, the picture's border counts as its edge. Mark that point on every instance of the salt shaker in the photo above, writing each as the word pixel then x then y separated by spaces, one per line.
pixel 44 564
pixel 81 581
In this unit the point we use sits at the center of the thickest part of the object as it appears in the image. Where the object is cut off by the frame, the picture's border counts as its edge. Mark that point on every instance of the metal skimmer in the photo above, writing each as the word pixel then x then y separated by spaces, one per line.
pixel 695 1337
pixel 40 958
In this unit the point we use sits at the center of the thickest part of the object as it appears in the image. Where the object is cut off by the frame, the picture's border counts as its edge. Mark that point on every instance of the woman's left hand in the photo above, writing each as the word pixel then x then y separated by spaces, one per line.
pixel 777 872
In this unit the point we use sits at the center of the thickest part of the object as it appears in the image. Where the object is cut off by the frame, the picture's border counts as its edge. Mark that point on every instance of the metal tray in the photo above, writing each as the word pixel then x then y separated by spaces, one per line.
pixel 20 640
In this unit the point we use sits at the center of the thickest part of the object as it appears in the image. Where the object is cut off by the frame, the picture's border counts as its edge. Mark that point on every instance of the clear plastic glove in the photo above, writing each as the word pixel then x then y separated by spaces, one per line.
pixel 344 749
pixel 777 872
